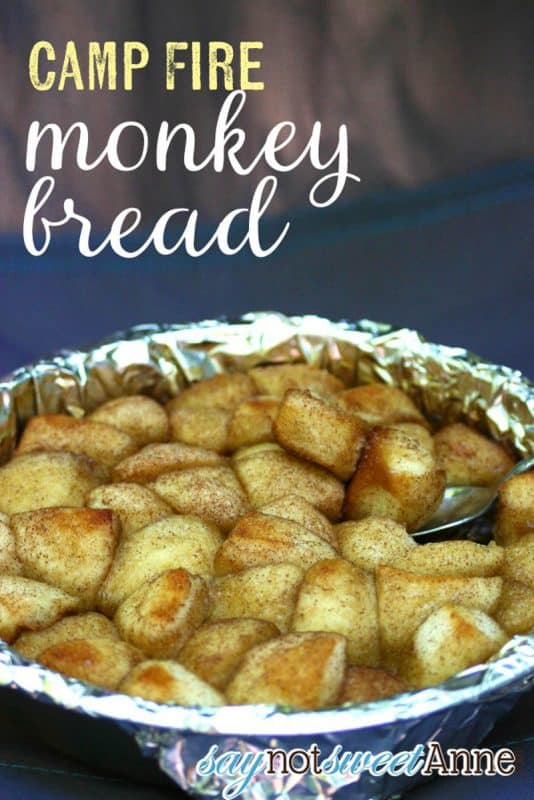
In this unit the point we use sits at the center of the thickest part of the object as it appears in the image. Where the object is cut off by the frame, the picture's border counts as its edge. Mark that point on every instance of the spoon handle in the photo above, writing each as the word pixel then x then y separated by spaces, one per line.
pixel 522 466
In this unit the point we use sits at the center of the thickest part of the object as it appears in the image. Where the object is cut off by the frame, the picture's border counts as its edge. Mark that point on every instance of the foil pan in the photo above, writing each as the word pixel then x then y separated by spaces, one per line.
pixel 449 384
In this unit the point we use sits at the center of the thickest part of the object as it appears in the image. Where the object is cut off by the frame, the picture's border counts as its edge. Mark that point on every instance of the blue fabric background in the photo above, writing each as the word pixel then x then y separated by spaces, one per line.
pixel 453 260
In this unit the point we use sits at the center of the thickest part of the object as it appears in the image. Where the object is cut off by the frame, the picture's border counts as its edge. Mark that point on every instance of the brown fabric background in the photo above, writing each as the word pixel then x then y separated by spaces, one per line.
pixel 427 88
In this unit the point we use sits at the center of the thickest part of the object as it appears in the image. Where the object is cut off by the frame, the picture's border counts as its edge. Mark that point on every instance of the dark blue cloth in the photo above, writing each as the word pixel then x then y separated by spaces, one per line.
pixel 453 260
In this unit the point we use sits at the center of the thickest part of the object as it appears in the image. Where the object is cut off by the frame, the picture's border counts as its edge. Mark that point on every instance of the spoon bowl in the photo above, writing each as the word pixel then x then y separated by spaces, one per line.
pixel 461 504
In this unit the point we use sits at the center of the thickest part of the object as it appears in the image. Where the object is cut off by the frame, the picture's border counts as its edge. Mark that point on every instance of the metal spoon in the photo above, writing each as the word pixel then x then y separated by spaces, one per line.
pixel 461 504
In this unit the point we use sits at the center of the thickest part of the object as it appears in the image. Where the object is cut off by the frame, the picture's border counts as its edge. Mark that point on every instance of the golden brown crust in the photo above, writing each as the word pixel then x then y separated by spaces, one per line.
pixel 296 508
pixel 260 539
pixel 454 558
pixel 365 684
pixel 45 479
pixel 378 404
pixel 9 561
pixel 77 626
pixel 267 593
pixel 136 506
pixel 449 640
pixel 519 560
pixel 96 440
pixel 374 541
pixel 276 380
pixel 317 431
pixel 205 427
pixel 99 660
pixel 304 670
pixel 515 509
pixel 216 649
pixel 418 596
pixel 169 682
pixel 26 604
pixel 396 478
pixel 157 459
pixel 220 391
pixel 177 541
pixel 211 493
pixel 252 422
pixel 267 473
pixel 338 597
pixel 516 608
pixel 468 458
pixel 137 415
pixel 71 548
pixel 163 612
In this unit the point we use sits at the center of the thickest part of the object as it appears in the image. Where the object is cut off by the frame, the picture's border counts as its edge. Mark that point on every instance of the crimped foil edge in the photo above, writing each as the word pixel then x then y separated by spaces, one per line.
pixel 449 383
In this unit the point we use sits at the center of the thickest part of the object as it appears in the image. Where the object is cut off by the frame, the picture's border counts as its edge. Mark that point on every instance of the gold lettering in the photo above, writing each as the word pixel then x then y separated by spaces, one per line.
pixel 130 64
pixel 71 68
pixel 33 66
pixel 196 80
pixel 246 65
pixel 221 63
pixel 172 65
pixel 102 62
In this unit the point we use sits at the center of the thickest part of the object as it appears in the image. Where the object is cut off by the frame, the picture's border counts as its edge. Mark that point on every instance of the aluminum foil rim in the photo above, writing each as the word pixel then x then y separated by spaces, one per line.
pixel 369 329
pixel 513 667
